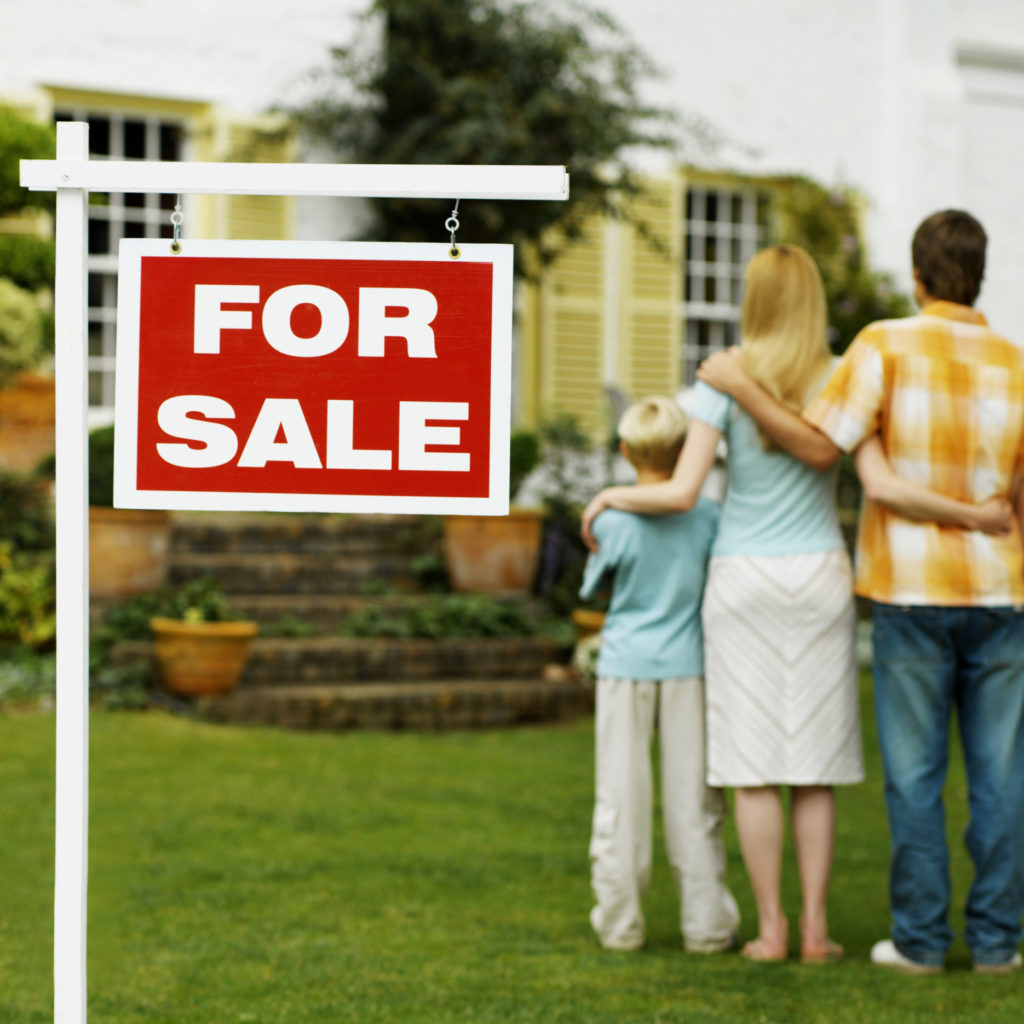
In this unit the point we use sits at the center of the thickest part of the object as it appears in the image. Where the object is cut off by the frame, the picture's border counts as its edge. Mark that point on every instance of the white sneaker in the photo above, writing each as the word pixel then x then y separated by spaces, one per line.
pixel 1013 964
pixel 885 954
pixel 713 945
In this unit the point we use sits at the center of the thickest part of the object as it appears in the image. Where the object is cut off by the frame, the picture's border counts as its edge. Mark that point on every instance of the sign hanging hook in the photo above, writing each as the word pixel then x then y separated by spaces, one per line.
pixel 177 218
pixel 452 225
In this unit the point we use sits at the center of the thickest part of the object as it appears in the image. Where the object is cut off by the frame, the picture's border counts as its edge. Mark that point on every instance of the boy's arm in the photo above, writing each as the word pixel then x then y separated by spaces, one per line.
pixel 679 493
pixel 725 372
pixel 884 486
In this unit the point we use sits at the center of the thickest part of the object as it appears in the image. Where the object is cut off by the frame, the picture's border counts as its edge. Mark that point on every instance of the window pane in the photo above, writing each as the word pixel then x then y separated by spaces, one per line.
pixel 99 136
pixel 99 236
pixel 95 338
pixel 95 388
pixel 134 140
pixel 135 200
pixel 170 142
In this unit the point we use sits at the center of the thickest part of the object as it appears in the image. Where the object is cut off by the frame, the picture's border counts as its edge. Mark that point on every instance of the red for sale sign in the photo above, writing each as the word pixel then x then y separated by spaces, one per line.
pixel 313 376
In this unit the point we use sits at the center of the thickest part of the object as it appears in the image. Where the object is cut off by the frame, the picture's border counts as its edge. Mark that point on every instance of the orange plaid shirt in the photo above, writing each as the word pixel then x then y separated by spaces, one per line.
pixel 946 395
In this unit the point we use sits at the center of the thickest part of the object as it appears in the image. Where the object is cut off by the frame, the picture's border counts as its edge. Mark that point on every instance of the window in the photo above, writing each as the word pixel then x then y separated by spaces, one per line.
pixel 115 216
pixel 724 228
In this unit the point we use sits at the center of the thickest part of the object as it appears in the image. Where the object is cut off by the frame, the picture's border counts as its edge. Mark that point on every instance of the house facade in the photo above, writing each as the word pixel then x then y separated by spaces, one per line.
pixel 915 104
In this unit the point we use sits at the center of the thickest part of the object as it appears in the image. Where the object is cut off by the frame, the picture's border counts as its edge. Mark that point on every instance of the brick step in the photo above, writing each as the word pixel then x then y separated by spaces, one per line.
pixel 328 612
pixel 433 704
pixel 251 532
pixel 320 613
pixel 290 572
pixel 329 660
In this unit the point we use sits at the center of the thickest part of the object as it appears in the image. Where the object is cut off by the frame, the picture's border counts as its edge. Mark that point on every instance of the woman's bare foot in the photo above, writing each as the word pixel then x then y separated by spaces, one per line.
pixel 771 946
pixel 816 947
pixel 825 954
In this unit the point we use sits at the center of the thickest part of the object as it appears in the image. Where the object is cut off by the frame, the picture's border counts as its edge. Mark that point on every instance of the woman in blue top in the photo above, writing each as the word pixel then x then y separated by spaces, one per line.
pixel 779 620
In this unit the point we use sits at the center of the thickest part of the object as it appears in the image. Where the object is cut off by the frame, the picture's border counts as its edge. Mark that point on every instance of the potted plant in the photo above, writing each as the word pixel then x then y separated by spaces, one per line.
pixel 200 645
pixel 129 548
pixel 498 554
pixel 27 404
pixel 26 316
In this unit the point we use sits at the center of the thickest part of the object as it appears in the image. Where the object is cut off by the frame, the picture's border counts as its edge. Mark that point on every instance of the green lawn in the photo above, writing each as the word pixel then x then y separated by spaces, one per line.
pixel 258 876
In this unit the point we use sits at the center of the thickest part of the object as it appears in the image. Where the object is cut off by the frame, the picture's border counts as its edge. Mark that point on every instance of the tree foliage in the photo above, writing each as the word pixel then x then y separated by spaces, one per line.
pixel 491 82
pixel 21 140
pixel 826 222
pixel 26 262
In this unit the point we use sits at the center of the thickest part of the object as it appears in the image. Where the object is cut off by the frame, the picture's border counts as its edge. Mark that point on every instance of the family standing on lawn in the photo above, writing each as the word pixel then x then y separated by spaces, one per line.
pixel 932 406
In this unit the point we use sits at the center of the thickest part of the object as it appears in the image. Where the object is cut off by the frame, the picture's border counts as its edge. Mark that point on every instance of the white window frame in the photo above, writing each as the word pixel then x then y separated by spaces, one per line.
pixel 718 248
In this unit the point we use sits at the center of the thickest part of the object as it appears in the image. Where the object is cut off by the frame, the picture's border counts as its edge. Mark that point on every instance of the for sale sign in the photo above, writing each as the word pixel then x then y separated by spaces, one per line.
pixel 309 376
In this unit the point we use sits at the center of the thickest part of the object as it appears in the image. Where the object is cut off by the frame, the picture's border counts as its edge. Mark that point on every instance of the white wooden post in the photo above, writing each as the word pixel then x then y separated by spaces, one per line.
pixel 72 840
pixel 73 176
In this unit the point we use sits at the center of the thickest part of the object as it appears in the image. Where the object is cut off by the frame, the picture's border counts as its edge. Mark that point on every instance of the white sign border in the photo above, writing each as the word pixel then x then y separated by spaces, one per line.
pixel 128 495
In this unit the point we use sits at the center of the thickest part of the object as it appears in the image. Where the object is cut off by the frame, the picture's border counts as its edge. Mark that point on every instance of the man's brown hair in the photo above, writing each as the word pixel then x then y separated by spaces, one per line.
pixel 948 252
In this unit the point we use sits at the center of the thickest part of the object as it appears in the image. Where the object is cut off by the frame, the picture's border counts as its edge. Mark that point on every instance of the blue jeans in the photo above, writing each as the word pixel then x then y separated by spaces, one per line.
pixel 927 661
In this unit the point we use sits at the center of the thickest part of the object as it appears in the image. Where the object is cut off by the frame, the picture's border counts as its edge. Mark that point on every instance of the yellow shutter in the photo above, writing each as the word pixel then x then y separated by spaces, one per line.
pixel 258 140
pixel 650 310
pixel 562 332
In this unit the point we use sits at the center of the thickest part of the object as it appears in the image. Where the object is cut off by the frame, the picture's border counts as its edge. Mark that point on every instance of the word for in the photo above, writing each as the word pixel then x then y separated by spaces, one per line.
pixel 377 318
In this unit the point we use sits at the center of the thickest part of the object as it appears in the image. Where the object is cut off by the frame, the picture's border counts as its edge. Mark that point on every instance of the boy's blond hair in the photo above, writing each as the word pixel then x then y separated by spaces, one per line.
pixel 653 431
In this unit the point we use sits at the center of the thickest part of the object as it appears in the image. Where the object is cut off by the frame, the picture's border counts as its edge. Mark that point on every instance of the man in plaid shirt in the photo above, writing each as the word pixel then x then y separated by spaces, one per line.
pixel 946 395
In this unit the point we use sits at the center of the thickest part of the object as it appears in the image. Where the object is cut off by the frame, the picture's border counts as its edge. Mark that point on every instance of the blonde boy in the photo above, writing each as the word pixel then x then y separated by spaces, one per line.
pixel 650 669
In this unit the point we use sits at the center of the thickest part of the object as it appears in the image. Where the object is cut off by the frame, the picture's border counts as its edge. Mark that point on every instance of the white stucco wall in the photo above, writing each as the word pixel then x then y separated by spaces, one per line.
pixel 918 103
pixel 243 56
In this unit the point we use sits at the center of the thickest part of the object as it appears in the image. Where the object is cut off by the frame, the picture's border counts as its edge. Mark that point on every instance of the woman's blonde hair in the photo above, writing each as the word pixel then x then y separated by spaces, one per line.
pixel 784 325
pixel 653 431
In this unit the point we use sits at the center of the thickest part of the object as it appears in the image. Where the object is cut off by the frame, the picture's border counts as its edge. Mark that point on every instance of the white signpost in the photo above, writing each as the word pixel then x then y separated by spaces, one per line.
pixel 73 176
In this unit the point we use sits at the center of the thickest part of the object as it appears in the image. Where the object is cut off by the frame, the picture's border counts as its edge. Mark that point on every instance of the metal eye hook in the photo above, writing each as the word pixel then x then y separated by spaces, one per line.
pixel 177 219
pixel 452 225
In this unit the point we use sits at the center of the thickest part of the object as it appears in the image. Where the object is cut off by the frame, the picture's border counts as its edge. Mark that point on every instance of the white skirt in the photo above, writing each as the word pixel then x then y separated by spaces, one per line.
pixel 781 671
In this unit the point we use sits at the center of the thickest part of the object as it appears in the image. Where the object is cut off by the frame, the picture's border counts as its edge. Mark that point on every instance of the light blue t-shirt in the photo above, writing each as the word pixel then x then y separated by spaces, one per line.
pixel 774 503
pixel 653 628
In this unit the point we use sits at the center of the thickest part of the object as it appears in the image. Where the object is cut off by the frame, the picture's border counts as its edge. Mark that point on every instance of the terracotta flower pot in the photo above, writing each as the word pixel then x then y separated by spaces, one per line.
pixel 588 622
pixel 27 417
pixel 128 550
pixel 201 657
pixel 493 554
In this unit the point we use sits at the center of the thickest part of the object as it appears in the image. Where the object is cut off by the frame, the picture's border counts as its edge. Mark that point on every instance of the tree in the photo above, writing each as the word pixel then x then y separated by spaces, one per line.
pixel 491 82
pixel 26 262
pixel 826 222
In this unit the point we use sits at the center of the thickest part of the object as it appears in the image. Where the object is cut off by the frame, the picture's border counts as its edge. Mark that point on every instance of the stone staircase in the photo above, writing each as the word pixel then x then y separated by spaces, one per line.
pixel 301 576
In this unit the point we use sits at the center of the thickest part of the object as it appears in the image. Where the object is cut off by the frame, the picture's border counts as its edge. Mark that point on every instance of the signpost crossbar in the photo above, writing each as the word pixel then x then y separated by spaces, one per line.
pixel 402 181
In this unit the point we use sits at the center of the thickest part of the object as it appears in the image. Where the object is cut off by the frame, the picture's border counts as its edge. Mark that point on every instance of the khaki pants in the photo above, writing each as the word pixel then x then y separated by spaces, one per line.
pixel 620 845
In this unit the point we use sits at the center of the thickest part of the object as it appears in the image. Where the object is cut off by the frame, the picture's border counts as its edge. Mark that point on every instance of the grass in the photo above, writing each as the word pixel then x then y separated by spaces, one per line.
pixel 278 878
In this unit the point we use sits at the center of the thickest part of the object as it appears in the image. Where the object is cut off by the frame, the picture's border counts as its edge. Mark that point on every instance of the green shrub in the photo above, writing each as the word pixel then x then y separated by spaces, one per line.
pixel 26 518
pixel 444 615
pixel 28 262
pixel 101 466
pixel 28 602
pixel 21 330
pixel 523 457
